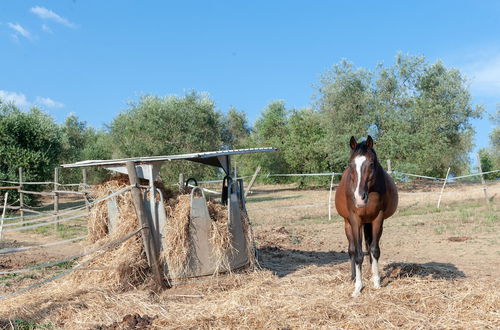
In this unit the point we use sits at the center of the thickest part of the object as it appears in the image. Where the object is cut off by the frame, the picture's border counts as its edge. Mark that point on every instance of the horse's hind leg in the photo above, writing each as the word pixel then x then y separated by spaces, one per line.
pixel 375 248
pixel 367 228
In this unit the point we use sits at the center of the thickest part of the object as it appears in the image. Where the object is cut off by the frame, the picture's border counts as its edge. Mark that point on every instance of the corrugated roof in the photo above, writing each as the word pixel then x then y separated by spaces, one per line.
pixel 209 158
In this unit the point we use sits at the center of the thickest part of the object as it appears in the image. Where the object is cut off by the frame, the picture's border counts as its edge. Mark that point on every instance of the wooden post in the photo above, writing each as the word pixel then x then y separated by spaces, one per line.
pixel 389 168
pixel 56 194
pixel 3 213
pixel 330 198
pixel 84 177
pixel 181 181
pixel 85 185
pixel 252 181
pixel 21 195
pixel 442 189
pixel 147 238
pixel 485 188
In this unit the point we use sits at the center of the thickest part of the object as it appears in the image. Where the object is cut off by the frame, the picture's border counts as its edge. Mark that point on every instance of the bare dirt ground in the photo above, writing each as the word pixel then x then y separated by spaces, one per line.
pixel 440 269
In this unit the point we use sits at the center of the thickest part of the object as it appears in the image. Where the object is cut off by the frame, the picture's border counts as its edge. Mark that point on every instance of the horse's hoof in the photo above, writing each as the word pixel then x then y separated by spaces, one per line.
pixel 357 290
pixel 376 283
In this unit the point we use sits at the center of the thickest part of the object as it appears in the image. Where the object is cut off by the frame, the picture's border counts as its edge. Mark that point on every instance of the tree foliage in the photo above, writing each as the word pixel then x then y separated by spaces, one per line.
pixel 418 113
pixel 30 140
pixel 167 126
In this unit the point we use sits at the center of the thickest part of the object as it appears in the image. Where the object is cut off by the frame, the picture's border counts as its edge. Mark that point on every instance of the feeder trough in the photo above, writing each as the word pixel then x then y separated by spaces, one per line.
pixel 152 214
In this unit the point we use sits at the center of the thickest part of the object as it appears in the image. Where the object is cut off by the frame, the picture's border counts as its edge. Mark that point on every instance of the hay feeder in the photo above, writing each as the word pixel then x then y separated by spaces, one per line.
pixel 153 217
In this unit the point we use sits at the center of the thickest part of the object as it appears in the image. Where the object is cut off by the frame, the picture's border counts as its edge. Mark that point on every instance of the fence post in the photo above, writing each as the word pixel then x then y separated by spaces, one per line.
pixel 84 185
pixel 330 198
pixel 84 177
pixel 257 170
pixel 21 195
pixel 56 194
pixel 389 168
pixel 442 189
pixel 147 238
pixel 485 188
pixel 3 213
pixel 181 181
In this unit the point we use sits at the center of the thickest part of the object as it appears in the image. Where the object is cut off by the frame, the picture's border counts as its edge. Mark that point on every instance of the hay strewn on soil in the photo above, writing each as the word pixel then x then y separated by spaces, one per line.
pixel 311 297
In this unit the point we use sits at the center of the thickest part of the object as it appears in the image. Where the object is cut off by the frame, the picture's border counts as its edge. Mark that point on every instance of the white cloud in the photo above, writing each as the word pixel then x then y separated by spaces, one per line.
pixel 21 101
pixel 48 102
pixel 484 75
pixel 17 99
pixel 45 13
pixel 19 30
pixel 46 28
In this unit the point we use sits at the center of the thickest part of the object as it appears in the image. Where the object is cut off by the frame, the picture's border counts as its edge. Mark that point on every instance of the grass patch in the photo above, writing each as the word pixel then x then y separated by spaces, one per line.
pixel 268 199
pixel 9 278
pixel 315 220
pixel 30 325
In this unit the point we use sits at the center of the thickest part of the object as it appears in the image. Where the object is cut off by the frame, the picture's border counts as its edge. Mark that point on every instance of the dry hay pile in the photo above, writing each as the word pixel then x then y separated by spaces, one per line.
pixel 310 297
pixel 178 246
pixel 125 266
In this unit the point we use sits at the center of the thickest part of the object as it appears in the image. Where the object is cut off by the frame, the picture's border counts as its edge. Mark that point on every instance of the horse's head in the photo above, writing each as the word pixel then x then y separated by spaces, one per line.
pixel 363 166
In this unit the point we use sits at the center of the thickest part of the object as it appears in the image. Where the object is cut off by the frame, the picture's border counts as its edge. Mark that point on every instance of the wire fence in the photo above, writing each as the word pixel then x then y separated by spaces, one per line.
pixel 26 222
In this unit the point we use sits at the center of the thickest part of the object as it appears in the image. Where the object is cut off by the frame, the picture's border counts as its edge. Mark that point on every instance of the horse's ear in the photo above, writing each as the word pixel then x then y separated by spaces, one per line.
pixel 353 143
pixel 369 142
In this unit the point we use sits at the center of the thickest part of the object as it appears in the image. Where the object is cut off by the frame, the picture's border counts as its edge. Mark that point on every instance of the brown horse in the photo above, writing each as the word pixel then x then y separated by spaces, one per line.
pixel 365 197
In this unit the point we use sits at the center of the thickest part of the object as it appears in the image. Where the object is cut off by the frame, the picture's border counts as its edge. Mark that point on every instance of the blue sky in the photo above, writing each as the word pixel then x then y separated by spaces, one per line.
pixel 92 57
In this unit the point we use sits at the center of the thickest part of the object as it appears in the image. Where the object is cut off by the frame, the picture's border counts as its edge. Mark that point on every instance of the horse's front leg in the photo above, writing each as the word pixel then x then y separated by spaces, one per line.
pixel 377 227
pixel 356 226
pixel 351 249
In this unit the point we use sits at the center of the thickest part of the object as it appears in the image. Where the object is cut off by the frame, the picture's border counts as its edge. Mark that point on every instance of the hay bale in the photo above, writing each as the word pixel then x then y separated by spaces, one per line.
pixel 177 246
pixel 178 251
pixel 126 266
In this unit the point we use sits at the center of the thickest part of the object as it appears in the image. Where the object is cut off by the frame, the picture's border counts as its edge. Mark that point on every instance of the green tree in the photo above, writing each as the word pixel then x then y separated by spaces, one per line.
pixel 495 138
pixel 304 149
pixel 235 129
pixel 270 130
pixel 166 126
pixel 346 106
pixel 418 113
pixel 490 157
pixel 30 140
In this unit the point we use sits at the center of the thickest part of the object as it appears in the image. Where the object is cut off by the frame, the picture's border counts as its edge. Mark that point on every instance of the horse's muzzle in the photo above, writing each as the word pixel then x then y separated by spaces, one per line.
pixel 361 202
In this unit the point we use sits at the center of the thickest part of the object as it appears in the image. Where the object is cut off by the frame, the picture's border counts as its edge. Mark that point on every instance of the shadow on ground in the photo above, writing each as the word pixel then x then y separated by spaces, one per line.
pixel 286 261
pixel 432 270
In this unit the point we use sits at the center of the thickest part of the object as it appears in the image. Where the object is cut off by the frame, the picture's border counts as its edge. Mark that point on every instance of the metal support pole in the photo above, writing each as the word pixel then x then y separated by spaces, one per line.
pixel 3 214
pixel 56 194
pixel 442 189
pixel 389 167
pixel 21 195
pixel 147 238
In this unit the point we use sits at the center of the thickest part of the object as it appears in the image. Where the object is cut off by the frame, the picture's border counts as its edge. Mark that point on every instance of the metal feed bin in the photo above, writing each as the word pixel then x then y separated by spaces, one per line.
pixel 152 215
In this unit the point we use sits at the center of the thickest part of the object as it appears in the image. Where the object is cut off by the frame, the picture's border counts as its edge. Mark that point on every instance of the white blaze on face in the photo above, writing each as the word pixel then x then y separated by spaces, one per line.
pixel 358 161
